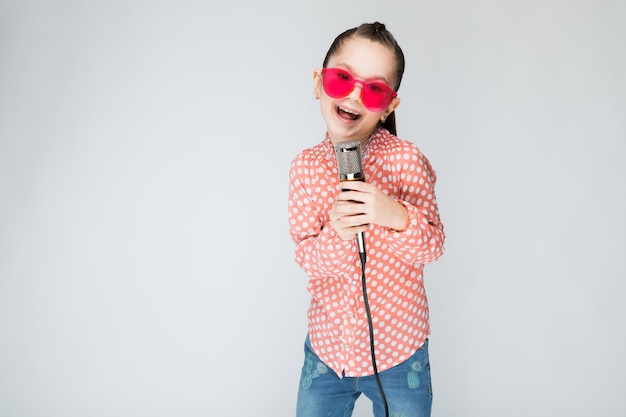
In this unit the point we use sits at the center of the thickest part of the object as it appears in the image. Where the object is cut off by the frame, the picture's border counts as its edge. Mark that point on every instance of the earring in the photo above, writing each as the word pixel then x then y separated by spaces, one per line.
pixel 317 94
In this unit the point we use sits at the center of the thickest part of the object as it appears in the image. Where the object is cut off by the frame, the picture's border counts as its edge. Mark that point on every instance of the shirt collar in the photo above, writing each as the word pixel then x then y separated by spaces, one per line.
pixel 379 133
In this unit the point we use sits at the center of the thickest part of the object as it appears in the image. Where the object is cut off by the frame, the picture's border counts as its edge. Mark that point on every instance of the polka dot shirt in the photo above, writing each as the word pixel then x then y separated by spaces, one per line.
pixel 337 322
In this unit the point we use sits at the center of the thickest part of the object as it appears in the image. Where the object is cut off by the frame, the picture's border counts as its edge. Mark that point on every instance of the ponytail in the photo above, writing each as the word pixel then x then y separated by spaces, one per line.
pixel 390 123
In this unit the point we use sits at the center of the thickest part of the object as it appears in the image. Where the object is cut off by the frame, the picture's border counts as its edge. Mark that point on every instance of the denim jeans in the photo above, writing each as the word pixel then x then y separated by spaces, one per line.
pixel 407 388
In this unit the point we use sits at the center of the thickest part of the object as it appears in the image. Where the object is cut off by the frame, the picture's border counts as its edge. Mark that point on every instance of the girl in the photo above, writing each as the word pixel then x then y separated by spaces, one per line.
pixel 396 210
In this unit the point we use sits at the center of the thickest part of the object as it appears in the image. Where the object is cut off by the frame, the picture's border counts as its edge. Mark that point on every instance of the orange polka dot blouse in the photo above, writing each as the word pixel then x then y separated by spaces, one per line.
pixel 337 322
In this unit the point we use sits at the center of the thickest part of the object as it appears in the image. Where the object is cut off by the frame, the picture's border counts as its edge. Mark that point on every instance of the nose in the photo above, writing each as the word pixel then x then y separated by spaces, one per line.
pixel 355 94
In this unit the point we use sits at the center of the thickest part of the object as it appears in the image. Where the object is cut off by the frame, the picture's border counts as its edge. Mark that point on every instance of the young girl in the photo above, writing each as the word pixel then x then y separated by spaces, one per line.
pixel 395 209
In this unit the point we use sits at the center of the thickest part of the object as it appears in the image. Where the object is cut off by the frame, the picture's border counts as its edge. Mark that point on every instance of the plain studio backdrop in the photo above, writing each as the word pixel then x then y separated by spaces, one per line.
pixel 145 263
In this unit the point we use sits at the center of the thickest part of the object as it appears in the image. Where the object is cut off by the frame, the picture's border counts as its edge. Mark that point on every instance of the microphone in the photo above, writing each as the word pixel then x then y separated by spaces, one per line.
pixel 351 169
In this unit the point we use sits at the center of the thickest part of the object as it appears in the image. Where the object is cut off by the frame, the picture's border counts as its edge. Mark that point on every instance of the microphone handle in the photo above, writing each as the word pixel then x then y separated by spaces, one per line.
pixel 361 242
pixel 360 239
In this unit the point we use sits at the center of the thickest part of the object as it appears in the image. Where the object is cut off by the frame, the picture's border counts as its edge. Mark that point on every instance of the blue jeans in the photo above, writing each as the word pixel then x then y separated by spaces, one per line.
pixel 407 388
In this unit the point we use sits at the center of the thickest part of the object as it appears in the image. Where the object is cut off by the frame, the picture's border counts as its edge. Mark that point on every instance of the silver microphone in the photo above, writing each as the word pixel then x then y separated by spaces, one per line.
pixel 351 169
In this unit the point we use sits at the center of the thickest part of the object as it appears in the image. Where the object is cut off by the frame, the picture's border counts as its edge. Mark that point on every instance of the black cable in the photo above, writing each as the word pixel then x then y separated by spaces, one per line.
pixel 371 329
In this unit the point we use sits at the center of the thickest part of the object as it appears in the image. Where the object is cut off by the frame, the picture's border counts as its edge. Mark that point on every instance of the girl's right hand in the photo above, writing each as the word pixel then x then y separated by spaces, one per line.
pixel 344 218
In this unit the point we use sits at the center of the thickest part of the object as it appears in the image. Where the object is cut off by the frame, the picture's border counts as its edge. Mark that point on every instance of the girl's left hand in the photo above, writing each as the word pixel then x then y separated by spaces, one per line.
pixel 363 203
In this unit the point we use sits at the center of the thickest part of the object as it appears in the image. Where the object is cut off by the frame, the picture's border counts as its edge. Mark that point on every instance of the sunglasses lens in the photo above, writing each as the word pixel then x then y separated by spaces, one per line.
pixel 338 83
pixel 376 96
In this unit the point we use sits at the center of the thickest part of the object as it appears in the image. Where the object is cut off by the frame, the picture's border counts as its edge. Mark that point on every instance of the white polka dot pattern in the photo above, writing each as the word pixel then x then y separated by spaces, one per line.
pixel 337 320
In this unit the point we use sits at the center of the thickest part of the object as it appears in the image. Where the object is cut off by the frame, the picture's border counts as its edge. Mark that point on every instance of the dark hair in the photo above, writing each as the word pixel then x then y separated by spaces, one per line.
pixel 376 32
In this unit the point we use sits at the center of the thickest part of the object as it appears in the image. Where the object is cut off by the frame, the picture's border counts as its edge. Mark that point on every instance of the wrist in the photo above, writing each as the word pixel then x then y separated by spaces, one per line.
pixel 401 219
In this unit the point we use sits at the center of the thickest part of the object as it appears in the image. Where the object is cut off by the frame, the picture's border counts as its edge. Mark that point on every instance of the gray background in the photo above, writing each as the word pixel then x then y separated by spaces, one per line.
pixel 145 262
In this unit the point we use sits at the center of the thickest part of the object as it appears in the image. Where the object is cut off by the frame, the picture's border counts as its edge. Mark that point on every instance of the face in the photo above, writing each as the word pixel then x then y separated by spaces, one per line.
pixel 347 118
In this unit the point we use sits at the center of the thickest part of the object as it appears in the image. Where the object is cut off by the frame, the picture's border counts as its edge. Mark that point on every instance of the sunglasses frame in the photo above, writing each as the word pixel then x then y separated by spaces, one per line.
pixel 366 89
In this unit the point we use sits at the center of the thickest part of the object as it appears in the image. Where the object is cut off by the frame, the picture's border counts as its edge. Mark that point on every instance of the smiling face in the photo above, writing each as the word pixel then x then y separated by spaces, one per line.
pixel 346 117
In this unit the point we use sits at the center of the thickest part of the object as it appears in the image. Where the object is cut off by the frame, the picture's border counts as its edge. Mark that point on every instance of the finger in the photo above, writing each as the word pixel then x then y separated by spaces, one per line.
pixel 352 197
pixel 354 220
pixel 353 185
pixel 341 208
pixel 352 209
pixel 353 230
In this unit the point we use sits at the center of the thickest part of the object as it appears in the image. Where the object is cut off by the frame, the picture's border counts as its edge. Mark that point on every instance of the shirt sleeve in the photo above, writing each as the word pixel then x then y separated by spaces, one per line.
pixel 422 241
pixel 319 251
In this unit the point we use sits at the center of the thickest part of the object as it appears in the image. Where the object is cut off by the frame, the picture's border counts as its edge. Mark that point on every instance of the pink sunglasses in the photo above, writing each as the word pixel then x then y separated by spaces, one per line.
pixel 375 95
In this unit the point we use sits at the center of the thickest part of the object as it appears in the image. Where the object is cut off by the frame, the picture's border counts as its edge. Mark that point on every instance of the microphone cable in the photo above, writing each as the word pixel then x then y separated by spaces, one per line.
pixel 371 331
pixel 350 165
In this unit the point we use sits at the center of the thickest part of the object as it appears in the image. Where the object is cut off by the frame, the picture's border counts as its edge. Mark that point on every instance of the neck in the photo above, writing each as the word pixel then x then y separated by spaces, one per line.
pixel 363 140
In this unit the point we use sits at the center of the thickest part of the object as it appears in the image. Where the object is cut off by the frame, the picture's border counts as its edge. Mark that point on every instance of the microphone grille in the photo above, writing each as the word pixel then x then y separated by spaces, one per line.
pixel 349 160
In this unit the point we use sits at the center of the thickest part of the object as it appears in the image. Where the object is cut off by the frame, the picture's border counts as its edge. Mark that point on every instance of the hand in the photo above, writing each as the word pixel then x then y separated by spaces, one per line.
pixel 362 204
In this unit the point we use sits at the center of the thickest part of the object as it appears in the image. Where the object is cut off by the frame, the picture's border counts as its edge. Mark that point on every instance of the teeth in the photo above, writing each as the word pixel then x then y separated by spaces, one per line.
pixel 348 111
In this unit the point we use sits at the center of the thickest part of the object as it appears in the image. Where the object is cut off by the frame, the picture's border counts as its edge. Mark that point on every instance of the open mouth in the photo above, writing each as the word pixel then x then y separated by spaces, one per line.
pixel 346 114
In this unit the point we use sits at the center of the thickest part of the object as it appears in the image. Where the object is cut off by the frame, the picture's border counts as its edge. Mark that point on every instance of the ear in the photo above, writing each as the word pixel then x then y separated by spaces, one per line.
pixel 317 83
pixel 390 109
